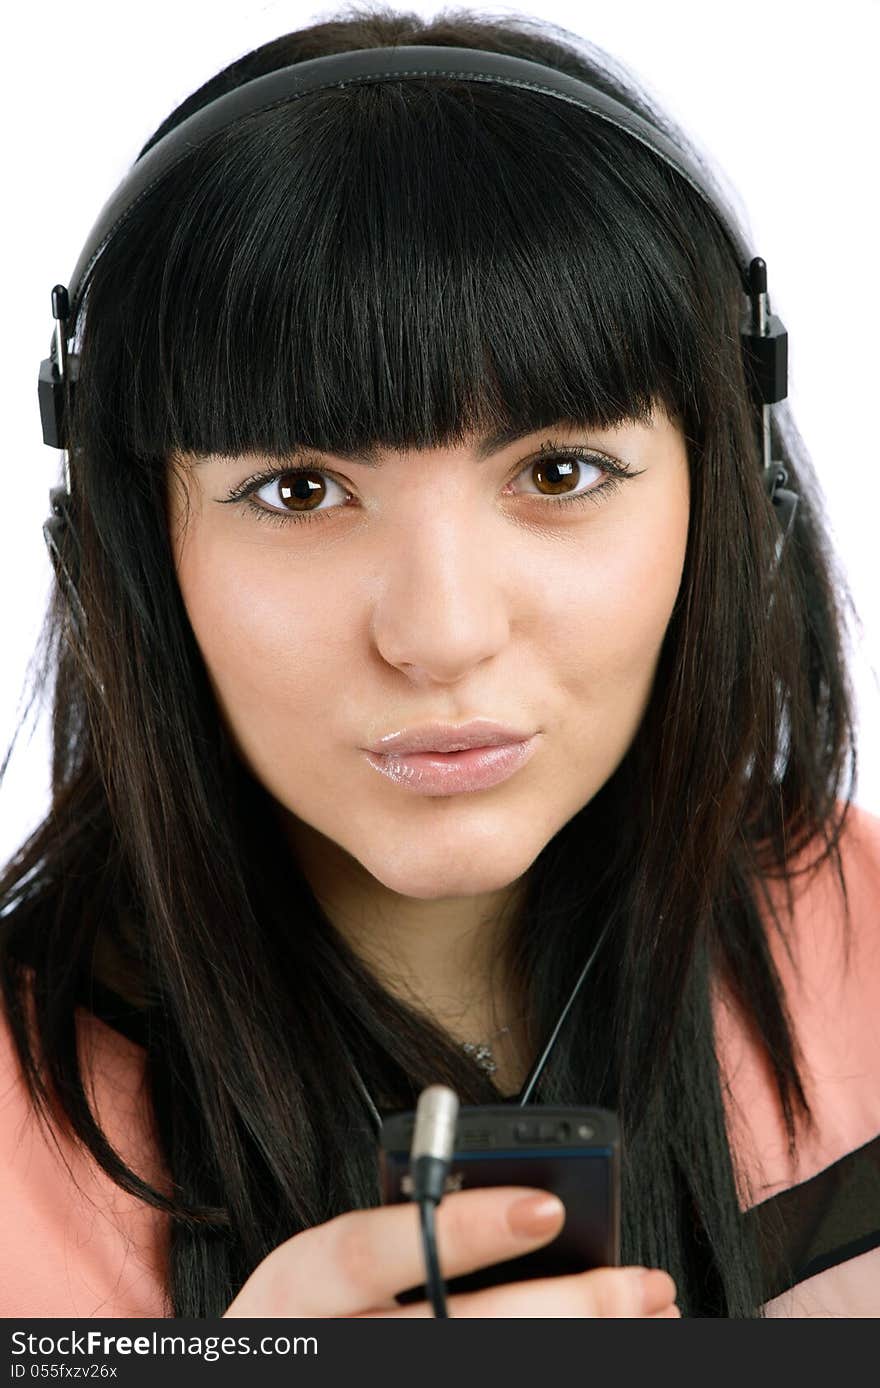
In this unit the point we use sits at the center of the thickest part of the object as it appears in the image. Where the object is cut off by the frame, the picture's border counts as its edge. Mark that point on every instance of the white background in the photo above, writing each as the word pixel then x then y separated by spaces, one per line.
pixel 780 95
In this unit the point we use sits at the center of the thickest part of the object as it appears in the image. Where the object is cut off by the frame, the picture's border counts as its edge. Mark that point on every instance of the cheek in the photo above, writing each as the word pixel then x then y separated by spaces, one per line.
pixel 604 635
pixel 620 599
pixel 268 637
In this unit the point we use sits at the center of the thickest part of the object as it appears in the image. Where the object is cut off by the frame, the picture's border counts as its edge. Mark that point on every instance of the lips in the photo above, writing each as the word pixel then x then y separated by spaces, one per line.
pixel 448 737
pixel 454 773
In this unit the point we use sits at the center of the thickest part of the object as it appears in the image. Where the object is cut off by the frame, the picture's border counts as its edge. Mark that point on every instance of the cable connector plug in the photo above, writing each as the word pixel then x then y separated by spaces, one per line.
pixel 431 1151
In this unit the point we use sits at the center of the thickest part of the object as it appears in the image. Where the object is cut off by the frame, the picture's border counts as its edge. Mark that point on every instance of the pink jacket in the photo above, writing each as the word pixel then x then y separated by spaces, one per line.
pixel 74 1244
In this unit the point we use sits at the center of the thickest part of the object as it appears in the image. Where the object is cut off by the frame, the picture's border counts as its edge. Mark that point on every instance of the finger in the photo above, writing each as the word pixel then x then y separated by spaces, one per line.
pixel 611 1292
pixel 601 1292
pixel 360 1260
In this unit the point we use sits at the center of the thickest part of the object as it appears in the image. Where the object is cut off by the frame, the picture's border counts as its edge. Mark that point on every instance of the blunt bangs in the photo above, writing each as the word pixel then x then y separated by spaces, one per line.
pixel 398 266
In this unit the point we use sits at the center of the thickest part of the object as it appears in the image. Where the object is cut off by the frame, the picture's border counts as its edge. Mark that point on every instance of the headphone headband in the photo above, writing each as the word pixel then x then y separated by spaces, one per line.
pixel 763 336
pixel 379 65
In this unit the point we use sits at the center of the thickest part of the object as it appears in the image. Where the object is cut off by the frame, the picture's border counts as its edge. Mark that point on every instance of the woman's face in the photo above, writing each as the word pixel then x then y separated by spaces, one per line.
pixel 436 586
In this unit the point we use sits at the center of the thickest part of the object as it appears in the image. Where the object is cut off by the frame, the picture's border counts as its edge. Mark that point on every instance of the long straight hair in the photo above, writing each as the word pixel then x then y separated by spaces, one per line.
pixel 395 265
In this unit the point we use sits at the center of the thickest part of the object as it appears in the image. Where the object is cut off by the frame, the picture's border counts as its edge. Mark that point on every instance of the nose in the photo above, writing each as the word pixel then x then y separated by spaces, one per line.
pixel 442 606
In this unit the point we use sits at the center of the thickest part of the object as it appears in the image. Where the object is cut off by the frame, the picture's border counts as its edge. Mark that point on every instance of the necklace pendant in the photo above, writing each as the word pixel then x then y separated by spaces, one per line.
pixel 482 1055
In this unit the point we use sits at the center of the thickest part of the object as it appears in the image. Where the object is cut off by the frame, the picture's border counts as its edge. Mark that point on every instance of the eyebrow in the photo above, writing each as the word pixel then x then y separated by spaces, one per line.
pixel 487 446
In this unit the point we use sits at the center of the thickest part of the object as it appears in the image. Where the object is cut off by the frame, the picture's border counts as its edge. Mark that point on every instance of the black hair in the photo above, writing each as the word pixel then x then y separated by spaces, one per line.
pixel 391 265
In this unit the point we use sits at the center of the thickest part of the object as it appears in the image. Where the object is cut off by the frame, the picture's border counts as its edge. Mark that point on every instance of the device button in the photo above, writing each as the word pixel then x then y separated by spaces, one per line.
pixel 552 1130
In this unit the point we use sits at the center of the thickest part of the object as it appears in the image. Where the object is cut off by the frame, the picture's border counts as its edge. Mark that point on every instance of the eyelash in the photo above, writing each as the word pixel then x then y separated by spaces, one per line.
pixel 616 474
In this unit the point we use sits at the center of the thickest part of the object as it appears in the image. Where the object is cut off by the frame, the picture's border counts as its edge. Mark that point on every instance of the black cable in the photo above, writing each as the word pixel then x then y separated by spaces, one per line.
pixel 537 1069
pixel 434 1284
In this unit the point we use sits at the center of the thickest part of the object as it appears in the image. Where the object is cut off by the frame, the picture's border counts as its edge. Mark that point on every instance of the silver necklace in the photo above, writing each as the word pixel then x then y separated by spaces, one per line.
pixel 481 1052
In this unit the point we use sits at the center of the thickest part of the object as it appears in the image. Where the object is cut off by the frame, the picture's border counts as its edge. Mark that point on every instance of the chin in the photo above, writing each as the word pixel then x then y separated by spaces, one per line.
pixel 446 876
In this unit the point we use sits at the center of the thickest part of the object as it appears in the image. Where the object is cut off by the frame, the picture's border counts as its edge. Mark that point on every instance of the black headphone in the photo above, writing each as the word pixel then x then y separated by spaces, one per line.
pixel 764 339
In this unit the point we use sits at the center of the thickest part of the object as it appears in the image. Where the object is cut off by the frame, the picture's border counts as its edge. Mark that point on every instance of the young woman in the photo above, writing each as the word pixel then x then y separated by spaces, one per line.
pixel 409 412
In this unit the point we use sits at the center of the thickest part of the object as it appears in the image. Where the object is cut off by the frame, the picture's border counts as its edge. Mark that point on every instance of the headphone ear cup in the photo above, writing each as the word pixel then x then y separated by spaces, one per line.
pixel 60 536
pixel 785 503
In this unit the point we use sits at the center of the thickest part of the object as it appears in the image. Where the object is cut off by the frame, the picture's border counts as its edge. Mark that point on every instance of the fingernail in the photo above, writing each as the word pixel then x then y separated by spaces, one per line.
pixel 647 1280
pixel 534 1214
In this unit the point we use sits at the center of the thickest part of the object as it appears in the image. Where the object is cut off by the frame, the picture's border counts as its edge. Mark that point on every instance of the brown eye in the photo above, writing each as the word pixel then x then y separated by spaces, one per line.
pixel 300 491
pixel 555 476
pixel 562 474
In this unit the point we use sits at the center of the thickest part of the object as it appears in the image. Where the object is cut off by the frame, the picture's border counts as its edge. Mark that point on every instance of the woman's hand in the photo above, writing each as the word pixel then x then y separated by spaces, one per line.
pixel 354 1265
